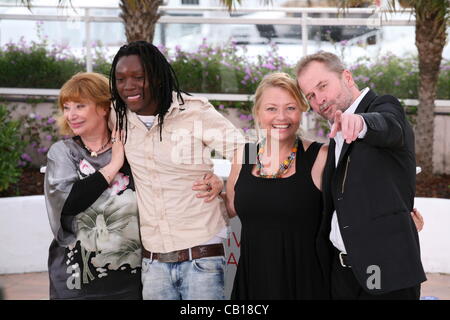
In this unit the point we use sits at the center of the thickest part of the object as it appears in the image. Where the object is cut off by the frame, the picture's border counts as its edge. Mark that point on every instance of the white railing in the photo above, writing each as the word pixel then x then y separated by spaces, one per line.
pixel 378 18
pixel 442 106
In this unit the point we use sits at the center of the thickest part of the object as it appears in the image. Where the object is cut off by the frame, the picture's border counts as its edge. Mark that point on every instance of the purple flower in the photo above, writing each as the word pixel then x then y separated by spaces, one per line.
pixel 48 137
pixel 42 150
pixel 249 117
pixel 221 107
pixel 320 133
pixel 379 74
pixel 397 83
pixel 26 157
pixel 38 117
pixel 245 129
pixel 21 163
pixel 51 120
pixel 269 66
pixel 243 117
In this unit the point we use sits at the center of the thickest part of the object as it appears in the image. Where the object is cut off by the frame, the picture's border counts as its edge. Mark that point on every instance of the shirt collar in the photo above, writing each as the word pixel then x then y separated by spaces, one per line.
pixel 133 117
pixel 355 103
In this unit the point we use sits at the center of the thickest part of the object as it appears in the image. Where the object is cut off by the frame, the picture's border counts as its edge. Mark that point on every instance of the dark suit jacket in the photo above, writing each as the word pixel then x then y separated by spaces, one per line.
pixel 372 190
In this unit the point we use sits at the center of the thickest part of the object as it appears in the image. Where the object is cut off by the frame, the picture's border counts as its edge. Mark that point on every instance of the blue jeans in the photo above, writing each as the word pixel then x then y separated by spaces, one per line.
pixel 199 279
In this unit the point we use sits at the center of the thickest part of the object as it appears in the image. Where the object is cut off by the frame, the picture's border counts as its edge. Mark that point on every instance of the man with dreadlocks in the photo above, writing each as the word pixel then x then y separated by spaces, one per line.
pixel 169 136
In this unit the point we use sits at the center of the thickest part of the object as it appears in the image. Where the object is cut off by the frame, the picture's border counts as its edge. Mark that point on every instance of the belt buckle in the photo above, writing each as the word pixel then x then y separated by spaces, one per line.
pixel 168 257
pixel 341 259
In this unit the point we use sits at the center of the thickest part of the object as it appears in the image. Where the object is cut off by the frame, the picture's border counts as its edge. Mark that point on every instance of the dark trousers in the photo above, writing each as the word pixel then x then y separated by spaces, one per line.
pixel 344 286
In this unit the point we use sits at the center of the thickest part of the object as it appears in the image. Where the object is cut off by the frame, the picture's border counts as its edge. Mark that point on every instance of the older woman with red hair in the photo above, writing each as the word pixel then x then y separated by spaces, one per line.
pixel 91 202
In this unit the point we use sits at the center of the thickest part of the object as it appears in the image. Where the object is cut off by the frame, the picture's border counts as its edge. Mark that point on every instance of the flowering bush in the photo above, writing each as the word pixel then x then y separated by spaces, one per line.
pixel 40 65
pixel 37 133
pixel 11 147
pixel 34 66
pixel 389 75
pixel 220 69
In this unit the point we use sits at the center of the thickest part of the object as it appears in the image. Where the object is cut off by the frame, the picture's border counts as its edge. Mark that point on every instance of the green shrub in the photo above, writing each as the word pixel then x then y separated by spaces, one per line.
pixel 218 69
pixel 34 66
pixel 11 148
pixel 389 75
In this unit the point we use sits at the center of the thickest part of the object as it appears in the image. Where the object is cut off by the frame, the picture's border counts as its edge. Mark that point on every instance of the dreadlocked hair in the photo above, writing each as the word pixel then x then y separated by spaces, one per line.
pixel 160 74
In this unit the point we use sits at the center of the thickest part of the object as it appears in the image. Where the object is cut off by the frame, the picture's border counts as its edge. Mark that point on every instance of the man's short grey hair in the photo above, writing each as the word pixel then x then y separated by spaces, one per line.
pixel 331 61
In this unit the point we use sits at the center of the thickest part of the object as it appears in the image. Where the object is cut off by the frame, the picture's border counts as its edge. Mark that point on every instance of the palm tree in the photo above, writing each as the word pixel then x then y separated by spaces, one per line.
pixel 139 17
pixel 432 19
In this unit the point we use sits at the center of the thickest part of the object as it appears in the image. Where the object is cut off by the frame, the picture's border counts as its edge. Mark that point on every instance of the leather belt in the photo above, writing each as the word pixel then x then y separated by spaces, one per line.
pixel 343 259
pixel 197 252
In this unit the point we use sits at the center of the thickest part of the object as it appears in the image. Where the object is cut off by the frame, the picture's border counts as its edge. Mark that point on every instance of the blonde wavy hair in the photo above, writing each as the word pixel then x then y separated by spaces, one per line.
pixel 277 80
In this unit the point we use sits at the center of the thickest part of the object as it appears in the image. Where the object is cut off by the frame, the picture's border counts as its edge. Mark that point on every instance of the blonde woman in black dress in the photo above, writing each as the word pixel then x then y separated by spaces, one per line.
pixel 275 191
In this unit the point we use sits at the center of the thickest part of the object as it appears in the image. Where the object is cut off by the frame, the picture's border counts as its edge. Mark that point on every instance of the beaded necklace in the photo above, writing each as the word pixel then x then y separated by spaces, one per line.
pixel 95 153
pixel 284 166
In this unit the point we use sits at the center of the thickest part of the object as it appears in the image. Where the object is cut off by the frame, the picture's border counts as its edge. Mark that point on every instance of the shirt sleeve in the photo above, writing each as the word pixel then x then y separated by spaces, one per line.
pixel 363 132
pixel 84 193
pixel 387 125
pixel 65 194
pixel 60 175
pixel 219 133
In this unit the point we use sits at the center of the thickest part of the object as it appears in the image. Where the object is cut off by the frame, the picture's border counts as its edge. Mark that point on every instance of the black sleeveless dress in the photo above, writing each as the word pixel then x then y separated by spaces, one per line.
pixel 280 220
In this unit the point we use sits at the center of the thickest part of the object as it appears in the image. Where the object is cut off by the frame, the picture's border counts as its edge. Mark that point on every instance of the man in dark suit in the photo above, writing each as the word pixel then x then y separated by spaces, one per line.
pixel 368 243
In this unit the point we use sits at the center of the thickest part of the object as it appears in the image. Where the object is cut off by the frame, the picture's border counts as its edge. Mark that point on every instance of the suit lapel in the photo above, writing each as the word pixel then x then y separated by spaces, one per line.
pixel 329 170
pixel 366 102
pixel 343 152
pixel 362 108
pixel 327 193
pixel 331 159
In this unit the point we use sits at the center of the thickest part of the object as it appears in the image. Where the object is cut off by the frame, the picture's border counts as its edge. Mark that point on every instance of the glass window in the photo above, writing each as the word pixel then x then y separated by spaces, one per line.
pixel 190 2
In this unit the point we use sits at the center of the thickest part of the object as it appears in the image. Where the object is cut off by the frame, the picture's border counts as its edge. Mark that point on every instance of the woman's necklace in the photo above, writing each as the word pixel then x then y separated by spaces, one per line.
pixel 95 153
pixel 284 166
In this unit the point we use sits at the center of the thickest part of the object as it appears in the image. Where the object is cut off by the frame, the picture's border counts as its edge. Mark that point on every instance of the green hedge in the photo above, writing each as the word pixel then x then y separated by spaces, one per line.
pixel 208 70
pixel 11 148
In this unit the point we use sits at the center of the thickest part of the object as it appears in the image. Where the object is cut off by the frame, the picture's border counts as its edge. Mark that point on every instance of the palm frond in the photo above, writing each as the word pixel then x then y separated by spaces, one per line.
pixel 231 4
